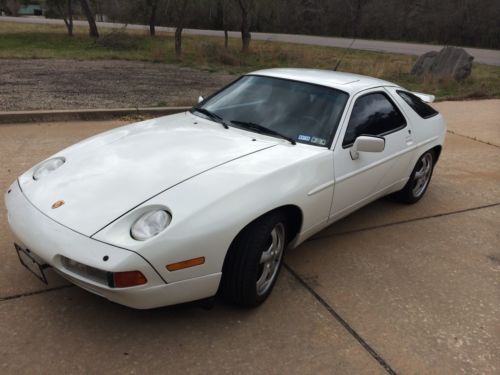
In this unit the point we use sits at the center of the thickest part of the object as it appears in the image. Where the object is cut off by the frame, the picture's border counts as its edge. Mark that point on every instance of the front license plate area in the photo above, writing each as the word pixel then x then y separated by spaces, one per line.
pixel 34 266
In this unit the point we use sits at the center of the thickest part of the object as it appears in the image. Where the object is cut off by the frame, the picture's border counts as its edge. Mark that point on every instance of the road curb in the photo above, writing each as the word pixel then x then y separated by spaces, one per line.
pixel 84 114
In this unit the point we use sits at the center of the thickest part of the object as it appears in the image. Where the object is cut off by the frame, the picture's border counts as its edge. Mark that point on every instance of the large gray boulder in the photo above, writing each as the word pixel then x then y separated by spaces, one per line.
pixel 449 62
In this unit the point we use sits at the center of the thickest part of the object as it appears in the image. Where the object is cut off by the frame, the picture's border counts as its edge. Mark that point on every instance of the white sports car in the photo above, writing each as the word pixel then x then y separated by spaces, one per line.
pixel 181 207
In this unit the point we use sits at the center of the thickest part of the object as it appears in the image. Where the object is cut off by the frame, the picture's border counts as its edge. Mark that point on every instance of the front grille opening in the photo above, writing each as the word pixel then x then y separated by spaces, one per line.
pixel 87 272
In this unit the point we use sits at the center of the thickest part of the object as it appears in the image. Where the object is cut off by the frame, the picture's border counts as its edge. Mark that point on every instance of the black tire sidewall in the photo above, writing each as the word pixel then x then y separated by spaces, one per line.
pixel 241 266
pixel 411 197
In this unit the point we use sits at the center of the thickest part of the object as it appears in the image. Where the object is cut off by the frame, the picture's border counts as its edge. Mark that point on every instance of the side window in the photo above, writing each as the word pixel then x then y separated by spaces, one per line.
pixel 373 114
pixel 422 109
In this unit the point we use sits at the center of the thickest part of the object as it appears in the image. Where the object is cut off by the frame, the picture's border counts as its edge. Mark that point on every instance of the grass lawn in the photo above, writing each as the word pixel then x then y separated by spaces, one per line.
pixel 25 41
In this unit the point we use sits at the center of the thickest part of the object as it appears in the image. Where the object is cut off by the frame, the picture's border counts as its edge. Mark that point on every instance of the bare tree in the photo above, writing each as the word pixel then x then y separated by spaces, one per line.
pixel 456 22
pixel 68 15
pixel 11 7
pixel 223 4
pixel 64 9
pixel 246 36
pixel 220 20
pixel 152 6
pixel 90 18
pixel 68 19
pixel 356 9
pixel 179 13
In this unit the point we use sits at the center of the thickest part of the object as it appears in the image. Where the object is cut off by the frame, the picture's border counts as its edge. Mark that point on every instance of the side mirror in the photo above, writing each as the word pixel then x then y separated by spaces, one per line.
pixel 366 143
pixel 200 99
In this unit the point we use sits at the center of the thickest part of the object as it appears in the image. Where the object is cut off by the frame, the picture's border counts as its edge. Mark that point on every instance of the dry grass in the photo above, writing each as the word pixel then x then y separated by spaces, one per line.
pixel 208 53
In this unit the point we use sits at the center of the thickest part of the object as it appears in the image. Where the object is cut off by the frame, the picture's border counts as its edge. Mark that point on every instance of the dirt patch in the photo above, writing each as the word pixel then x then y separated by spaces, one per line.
pixel 70 84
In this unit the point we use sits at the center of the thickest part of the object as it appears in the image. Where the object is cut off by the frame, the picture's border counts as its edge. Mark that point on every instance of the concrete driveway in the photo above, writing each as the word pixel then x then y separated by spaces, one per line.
pixel 392 288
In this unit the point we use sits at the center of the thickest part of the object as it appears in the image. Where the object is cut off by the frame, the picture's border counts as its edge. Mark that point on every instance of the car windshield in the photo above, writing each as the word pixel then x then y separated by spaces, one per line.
pixel 297 111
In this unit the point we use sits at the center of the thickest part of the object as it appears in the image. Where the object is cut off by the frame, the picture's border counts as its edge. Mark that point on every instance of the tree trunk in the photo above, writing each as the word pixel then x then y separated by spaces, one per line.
pixel 178 41
pixel 245 24
pixel 69 22
pixel 180 8
pixel 224 24
pixel 152 17
pixel 90 18
pixel 245 34
pixel 222 20
pixel 67 15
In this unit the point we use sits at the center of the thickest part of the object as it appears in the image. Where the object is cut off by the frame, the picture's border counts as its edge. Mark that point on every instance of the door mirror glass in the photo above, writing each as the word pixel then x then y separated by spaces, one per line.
pixel 200 99
pixel 366 143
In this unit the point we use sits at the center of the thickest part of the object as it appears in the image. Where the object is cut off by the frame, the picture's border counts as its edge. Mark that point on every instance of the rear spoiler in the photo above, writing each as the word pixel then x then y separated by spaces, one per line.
pixel 424 97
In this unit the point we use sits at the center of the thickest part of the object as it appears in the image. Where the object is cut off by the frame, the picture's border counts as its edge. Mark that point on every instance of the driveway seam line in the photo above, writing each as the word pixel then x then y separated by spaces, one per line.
pixel 473 139
pixel 342 322
pixel 42 291
pixel 405 221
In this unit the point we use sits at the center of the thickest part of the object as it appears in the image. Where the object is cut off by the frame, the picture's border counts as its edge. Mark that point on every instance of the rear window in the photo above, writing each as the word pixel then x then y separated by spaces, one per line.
pixel 423 110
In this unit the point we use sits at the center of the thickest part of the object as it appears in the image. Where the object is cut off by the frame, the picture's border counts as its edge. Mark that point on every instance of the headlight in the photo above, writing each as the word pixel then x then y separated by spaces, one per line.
pixel 47 167
pixel 150 224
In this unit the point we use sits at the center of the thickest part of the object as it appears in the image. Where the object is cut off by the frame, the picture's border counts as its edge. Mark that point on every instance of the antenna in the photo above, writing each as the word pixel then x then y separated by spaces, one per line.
pixel 345 53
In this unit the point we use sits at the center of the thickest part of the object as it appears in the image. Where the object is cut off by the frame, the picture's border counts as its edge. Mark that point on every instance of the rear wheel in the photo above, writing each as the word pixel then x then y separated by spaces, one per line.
pixel 254 261
pixel 419 179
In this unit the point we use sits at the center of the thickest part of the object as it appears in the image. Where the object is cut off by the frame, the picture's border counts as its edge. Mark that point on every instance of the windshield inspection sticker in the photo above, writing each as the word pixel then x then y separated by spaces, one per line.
pixel 319 141
pixel 304 138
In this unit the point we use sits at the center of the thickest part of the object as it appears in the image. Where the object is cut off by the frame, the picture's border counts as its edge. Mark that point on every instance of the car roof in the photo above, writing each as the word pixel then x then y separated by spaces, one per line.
pixel 348 82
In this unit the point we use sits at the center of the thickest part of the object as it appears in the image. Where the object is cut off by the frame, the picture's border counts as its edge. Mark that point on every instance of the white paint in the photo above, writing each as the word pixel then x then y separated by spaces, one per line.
pixel 214 181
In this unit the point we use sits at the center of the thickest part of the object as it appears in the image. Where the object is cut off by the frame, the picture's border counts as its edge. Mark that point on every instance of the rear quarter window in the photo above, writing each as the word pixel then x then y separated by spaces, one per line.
pixel 423 110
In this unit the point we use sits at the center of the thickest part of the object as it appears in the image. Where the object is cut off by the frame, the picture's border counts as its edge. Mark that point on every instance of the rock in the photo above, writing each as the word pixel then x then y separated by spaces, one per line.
pixel 449 62
pixel 424 63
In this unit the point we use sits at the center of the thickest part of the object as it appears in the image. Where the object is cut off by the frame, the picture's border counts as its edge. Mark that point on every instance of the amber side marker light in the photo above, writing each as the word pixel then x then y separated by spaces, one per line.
pixel 128 279
pixel 186 264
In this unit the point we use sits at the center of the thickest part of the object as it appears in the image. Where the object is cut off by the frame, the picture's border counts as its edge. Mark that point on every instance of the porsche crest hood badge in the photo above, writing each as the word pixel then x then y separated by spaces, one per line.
pixel 57 204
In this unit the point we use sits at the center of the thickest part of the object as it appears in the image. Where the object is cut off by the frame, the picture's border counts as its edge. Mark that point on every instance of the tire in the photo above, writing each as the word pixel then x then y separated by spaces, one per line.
pixel 254 260
pixel 419 179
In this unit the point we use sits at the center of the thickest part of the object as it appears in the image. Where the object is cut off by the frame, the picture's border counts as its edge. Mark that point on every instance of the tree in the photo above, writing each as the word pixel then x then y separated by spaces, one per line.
pixel 10 7
pixel 64 9
pixel 152 6
pixel 457 22
pixel 356 9
pixel 179 13
pixel 245 7
pixel 223 10
pixel 90 18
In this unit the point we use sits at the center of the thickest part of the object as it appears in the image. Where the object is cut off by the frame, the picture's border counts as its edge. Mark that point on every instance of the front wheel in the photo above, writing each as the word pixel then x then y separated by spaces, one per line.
pixel 419 179
pixel 254 261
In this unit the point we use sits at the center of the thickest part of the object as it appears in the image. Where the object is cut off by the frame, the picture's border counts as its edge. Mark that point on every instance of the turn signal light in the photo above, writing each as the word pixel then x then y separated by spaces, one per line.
pixel 186 264
pixel 128 279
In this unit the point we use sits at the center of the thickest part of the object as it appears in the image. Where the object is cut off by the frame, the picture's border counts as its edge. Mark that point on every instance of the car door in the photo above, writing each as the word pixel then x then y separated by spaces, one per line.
pixel 357 182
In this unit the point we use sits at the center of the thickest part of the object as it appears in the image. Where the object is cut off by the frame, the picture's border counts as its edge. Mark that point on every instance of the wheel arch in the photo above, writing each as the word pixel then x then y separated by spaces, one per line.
pixel 437 152
pixel 294 216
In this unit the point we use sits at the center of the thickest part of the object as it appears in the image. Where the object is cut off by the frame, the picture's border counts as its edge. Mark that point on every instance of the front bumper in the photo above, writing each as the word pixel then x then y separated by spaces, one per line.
pixel 50 241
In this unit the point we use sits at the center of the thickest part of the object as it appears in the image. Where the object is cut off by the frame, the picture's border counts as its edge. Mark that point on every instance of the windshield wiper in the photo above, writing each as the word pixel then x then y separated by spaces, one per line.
pixel 213 116
pixel 262 129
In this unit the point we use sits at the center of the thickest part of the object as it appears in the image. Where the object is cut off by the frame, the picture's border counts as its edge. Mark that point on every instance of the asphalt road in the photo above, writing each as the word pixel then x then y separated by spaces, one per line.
pixel 390 289
pixel 484 56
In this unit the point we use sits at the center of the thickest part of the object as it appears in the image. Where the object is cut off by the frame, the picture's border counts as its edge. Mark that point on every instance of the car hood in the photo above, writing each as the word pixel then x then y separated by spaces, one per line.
pixel 109 174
